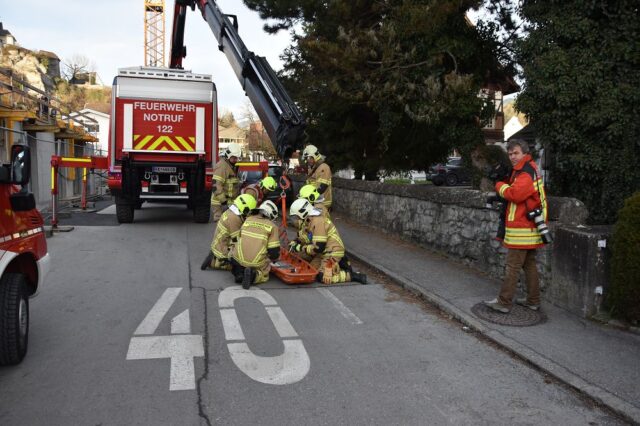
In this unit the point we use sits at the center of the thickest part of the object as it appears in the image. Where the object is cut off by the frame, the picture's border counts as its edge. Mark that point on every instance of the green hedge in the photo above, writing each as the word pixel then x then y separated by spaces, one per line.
pixel 624 296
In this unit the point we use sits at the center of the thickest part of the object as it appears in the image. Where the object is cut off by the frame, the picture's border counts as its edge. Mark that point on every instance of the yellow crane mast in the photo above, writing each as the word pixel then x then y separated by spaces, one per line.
pixel 154 33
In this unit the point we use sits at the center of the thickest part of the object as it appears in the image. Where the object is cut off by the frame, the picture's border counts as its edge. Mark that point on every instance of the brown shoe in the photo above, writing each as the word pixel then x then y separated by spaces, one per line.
pixel 493 304
pixel 522 301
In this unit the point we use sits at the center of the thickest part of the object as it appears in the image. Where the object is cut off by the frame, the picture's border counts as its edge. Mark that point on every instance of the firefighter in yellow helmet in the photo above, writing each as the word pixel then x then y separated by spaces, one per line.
pixel 310 193
pixel 258 245
pixel 226 185
pixel 326 247
pixel 227 231
pixel 261 189
pixel 318 174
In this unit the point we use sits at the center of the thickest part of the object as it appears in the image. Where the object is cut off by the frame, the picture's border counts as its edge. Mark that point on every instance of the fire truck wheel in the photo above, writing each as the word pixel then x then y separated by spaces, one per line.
pixel 14 318
pixel 124 213
pixel 201 213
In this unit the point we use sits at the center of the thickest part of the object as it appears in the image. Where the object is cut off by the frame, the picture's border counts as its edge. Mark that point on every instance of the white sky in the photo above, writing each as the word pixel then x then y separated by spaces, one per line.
pixel 111 34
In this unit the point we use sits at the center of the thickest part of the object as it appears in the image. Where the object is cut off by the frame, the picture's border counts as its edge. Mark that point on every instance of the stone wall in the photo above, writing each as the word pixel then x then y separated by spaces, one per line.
pixel 455 221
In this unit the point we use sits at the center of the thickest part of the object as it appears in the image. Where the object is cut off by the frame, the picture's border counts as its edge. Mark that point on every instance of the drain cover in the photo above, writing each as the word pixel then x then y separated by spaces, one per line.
pixel 518 317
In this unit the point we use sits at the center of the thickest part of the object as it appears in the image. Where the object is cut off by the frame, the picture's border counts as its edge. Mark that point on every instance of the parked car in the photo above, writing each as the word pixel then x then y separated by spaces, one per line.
pixel 249 177
pixel 452 173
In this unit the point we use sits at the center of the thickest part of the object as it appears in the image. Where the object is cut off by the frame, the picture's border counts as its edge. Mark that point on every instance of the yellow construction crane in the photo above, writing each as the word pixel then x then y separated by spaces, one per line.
pixel 154 33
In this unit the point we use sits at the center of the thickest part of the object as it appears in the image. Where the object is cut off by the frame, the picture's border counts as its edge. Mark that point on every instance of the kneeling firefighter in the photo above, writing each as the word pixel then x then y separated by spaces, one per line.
pixel 325 247
pixel 259 190
pixel 258 245
pixel 227 231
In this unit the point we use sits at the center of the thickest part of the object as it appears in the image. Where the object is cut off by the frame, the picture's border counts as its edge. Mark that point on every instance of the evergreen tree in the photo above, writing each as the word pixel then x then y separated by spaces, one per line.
pixel 391 84
pixel 581 63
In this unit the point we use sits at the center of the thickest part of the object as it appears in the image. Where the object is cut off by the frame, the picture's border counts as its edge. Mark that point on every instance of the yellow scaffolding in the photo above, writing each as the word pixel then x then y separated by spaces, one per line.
pixel 154 33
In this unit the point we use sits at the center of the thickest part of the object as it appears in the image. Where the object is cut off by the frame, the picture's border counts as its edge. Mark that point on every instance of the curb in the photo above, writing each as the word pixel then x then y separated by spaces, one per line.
pixel 614 403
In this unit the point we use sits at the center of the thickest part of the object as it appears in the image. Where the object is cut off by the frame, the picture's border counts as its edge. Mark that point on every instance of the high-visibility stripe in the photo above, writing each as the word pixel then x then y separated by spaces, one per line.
pixel 512 211
pixel 503 188
pixel 143 142
pixel 53 177
pixel 273 244
pixel 76 160
pixel 21 234
pixel 254 235
pixel 164 143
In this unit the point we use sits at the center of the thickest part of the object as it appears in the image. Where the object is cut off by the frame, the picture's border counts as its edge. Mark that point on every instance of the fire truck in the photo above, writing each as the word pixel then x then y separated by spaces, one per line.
pixel 164 130
pixel 24 260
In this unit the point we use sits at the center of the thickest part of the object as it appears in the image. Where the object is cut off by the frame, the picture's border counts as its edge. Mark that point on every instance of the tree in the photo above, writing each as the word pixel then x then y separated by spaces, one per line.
pixel 390 85
pixel 227 119
pixel 581 63
pixel 76 65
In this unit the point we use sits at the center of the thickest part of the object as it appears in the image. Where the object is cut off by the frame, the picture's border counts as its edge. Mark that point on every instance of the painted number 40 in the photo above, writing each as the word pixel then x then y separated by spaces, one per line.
pixel 165 129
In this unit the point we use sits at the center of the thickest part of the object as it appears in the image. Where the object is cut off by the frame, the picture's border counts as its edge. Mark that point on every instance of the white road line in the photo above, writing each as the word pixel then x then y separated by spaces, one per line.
pixel 280 321
pixel 180 348
pixel 231 325
pixel 159 310
pixel 181 324
pixel 288 368
pixel 346 312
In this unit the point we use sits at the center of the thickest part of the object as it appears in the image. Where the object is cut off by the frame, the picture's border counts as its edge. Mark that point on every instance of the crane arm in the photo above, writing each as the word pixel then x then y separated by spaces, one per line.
pixel 280 116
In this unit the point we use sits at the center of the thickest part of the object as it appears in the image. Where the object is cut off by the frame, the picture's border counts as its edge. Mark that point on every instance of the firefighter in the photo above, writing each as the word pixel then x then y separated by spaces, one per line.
pixel 225 180
pixel 261 189
pixel 319 173
pixel 258 245
pixel 226 234
pixel 308 192
pixel 325 248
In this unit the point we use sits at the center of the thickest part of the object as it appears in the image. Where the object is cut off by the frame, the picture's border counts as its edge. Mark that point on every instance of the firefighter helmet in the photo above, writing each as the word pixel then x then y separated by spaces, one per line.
pixel 233 150
pixel 245 203
pixel 310 151
pixel 301 208
pixel 269 210
pixel 269 184
pixel 309 192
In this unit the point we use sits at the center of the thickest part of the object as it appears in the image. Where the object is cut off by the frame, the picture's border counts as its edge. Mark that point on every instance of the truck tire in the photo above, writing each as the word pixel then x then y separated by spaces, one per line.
pixel 201 213
pixel 14 318
pixel 124 213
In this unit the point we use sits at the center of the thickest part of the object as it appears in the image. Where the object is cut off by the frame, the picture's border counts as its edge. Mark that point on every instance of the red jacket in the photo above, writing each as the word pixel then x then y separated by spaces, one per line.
pixel 524 192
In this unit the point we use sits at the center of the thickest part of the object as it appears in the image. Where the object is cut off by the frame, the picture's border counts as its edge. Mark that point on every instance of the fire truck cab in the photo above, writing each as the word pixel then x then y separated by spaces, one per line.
pixel 24 260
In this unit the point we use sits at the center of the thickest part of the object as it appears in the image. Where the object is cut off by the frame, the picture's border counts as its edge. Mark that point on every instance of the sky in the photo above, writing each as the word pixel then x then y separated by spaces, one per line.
pixel 111 34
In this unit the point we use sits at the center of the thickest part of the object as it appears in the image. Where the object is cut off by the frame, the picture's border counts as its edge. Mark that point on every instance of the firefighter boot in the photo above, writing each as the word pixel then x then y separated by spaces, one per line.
pixel 359 277
pixel 207 261
pixel 248 278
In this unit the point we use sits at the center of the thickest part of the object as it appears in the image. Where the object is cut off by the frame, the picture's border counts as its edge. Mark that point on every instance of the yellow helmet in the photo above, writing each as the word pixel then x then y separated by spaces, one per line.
pixel 311 151
pixel 269 184
pixel 245 203
pixel 309 192
pixel 269 210
pixel 301 208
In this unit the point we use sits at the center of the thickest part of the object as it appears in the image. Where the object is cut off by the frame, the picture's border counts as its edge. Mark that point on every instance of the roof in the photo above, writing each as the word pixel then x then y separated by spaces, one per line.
pixel 101 107
pixel 94 112
pixel 527 133
pixel 3 31
pixel 232 132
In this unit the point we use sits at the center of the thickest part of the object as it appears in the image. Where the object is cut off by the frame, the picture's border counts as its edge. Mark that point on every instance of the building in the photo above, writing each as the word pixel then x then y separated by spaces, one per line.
pixel 512 126
pixel 98 128
pixel 232 134
pixel 6 38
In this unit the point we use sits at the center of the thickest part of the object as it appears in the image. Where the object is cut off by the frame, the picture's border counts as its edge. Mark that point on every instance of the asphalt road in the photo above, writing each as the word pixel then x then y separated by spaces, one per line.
pixel 129 331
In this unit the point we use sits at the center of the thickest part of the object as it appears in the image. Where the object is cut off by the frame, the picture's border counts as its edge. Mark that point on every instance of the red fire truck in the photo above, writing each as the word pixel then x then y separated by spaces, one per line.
pixel 164 134
pixel 163 139
pixel 24 261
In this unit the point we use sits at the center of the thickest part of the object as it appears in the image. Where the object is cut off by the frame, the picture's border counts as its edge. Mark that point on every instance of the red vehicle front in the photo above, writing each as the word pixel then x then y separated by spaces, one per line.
pixel 24 260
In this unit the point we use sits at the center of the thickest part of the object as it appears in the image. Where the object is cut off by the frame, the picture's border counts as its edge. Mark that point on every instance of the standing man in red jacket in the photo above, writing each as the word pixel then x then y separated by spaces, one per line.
pixel 525 228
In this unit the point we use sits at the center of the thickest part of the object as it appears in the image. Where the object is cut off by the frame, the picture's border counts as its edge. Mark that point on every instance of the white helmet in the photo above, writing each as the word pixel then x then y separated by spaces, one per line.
pixel 233 150
pixel 301 208
pixel 268 210
pixel 311 151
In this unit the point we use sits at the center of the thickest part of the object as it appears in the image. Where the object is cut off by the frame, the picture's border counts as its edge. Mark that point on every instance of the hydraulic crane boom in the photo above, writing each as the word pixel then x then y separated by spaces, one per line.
pixel 280 116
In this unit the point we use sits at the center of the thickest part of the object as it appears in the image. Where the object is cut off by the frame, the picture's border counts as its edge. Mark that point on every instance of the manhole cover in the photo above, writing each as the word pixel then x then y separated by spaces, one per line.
pixel 518 317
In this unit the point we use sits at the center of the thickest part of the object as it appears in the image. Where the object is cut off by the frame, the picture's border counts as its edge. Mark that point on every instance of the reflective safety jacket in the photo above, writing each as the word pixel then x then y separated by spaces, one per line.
pixel 226 234
pixel 225 179
pixel 325 239
pixel 524 193
pixel 318 175
pixel 258 242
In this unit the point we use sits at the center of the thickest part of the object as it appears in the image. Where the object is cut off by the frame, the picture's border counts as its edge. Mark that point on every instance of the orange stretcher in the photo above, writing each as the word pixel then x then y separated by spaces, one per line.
pixel 290 268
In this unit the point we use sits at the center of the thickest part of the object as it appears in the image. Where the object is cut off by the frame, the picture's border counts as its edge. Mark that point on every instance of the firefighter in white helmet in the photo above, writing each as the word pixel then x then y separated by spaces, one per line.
pixel 226 185
pixel 258 245
pixel 318 174
pixel 325 247
pixel 227 231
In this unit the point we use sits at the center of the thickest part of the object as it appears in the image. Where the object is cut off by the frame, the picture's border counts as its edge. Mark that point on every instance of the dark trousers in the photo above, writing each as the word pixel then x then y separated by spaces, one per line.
pixel 518 259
